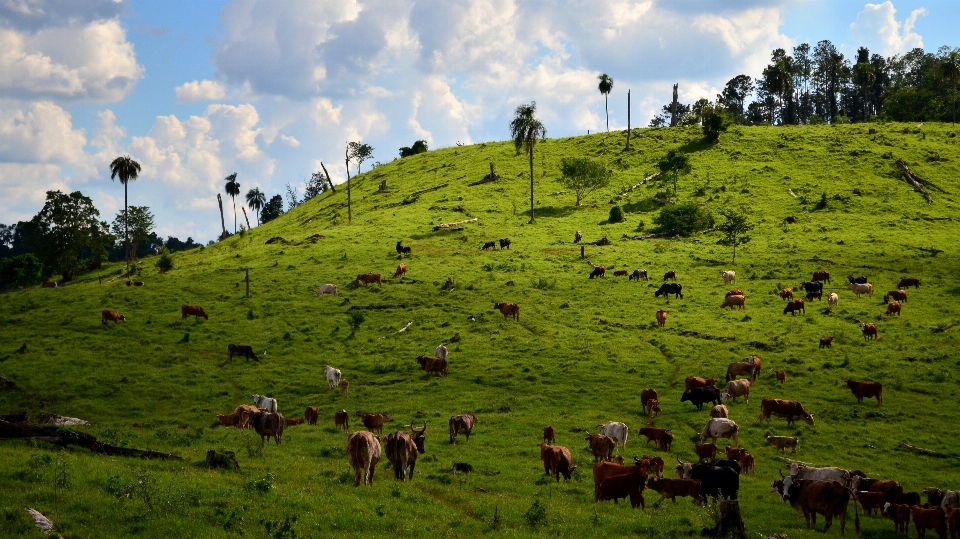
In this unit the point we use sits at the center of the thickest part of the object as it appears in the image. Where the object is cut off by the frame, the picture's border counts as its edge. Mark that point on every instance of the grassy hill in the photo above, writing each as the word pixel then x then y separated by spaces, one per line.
pixel 579 356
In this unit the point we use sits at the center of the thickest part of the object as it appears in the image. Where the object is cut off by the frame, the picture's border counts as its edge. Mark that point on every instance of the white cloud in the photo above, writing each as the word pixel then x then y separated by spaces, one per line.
pixel 204 90
pixel 290 141
pixel 40 132
pixel 23 189
pixel 877 27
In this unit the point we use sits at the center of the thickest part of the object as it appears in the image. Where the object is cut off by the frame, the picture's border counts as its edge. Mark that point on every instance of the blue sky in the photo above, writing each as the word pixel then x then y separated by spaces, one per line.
pixel 197 90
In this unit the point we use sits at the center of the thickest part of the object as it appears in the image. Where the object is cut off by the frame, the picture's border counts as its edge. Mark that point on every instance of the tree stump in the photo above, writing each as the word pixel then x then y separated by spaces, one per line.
pixel 383 186
pixel 222 459
pixel 729 524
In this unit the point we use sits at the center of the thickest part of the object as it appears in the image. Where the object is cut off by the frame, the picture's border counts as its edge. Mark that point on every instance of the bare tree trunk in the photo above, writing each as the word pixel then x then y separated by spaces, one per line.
pixel 126 226
pixel 673 107
pixel 531 181
pixel 349 211
pixel 245 216
pixel 606 109
pixel 223 224
pixel 628 120
pixel 234 213
pixel 329 181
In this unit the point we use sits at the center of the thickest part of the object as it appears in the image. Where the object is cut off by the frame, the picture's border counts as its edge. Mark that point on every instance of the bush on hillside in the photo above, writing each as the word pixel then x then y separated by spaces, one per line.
pixel 419 146
pixel 616 215
pixel 165 262
pixel 272 210
pixel 683 219
pixel 716 120
pixel 21 271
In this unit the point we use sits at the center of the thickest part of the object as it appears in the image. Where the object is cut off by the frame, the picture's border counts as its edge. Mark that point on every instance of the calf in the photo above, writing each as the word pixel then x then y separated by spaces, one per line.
pixel 782 376
pixel 598 271
pixel 818 294
pixel 733 301
pixel 662 437
pixel 833 299
pixel 401 250
pixel 326 289
pixel 373 422
pixel 826 342
pixel 341 420
pixel 893 307
pixel 661 317
pixel 898 295
pixel 111 316
pixel 908 281
pixel 786 293
pixel 638 274
pixel 401 271
pixel 648 394
pixel 621 273
pixel 489 245
pixel 504 243
pixel 871 500
pixel 241 350
pixel 654 410
pixel 691 382
pixel 869 331
pixel 344 386
pixel 193 310
pixel 623 486
pixel 728 276
pixel 747 463
pixel 866 389
pixel 822 276
pixel 291 421
pixel 706 451
pixel 783 442
pixel 311 414
pixel 557 460
pixel 933 518
pixel 49 284
pixel 719 410
pixel 794 306
pixel 671 488
pixel 671 275
pixel 861 288
pixel 601 446
pixel 856 280
pixel 433 364
pixel 900 514
pixel 368 278
pixel 508 310
pixel 549 437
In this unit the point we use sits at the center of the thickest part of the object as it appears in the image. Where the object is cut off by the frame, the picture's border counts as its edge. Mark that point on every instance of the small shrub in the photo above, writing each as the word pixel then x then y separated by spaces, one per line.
pixel 262 485
pixel 542 283
pixel 21 271
pixel 165 262
pixel 616 215
pixel 683 219
pixel 536 514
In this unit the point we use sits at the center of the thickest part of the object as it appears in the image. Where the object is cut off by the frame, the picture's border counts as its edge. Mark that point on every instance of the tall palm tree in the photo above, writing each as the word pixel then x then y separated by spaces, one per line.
pixel 950 69
pixel 256 200
pixel 127 170
pixel 233 189
pixel 606 86
pixel 525 129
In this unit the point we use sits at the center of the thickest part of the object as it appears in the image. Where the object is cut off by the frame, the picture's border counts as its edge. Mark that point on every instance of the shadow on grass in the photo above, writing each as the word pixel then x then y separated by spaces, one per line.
pixel 646 205
pixel 554 211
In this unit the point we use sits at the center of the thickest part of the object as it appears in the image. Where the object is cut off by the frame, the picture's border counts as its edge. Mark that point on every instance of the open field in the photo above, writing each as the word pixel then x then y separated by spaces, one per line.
pixel 579 356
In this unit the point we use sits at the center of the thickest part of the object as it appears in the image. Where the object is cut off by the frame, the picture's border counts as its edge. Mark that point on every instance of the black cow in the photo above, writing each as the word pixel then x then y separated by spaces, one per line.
pixel 857 280
pixel 504 243
pixel 241 350
pixel 815 295
pixel 401 250
pixel 700 395
pixel 720 479
pixel 812 286
pixel 670 288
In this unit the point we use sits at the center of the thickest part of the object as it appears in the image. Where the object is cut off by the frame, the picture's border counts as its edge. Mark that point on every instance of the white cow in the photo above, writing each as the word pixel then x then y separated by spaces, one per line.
pixel 616 430
pixel 865 288
pixel 721 428
pixel 326 289
pixel 798 471
pixel 440 351
pixel 736 388
pixel 833 299
pixel 333 376
pixel 728 276
pixel 266 403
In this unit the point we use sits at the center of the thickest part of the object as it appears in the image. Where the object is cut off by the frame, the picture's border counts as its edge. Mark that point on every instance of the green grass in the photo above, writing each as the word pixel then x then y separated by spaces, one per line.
pixel 579 356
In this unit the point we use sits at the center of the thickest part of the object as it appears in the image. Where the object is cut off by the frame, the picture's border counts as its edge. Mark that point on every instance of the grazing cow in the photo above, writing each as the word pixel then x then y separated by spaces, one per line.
pixel 229 420
pixel 866 389
pixel 344 386
pixel 692 382
pixel 638 274
pixel 908 281
pixel 893 307
pixel 651 464
pixel 672 275
pixel 794 306
pixel 719 479
pixel 661 318
pixel 818 295
pixel 742 368
pixel 508 310
pixel 461 424
pixel 707 451
pixel 899 514
pixel 326 289
pixel 578 237
pixel 662 437
pixel 856 280
pixel 654 410
pixel 871 500
pixel 933 518
pixel 736 388
pixel 869 331
pixel 756 363
pixel 341 419
pixel 811 286
pixel 647 395
pixel 489 245
pixel 721 428
pixel 616 430
pixel 864 288
pixel 620 273
pixel 245 414
pixel 433 364
pixel 786 293
pixel 49 284
pixel 94 264
pixel 440 351
pixel 368 278
pixel 241 350
pixel 733 301
pixel 601 446
pixel 782 376
pixel 623 486
pixel 265 403
pixel 748 463
pixel 792 410
pixel 557 460
pixel 111 316
pixel 607 470
pixel 822 276
pixel 402 450
pixel 598 271
pixel 735 453
pixel 363 454
pixel 333 376
pixel 700 395
pixel 401 250
pixel 826 342
pixel 268 425
pixel 193 310
pixel 669 489
pixel 719 410
pixel 898 295
pixel 889 490
pixel 292 421
pixel 373 422
pixel 736 292
pixel 798 471
pixel 728 276
pixel 401 271
pixel 783 442
pixel 504 243
pixel 311 414
pixel 828 498
pixel 670 288
pixel 549 436
pixel 833 299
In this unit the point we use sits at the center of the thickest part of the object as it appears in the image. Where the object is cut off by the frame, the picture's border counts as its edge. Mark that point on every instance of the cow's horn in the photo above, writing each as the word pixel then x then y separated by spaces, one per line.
pixel 781 474
pixel 679 461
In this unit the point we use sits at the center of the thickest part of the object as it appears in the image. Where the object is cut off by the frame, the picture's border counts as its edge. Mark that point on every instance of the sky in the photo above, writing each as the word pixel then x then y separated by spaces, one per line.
pixel 197 90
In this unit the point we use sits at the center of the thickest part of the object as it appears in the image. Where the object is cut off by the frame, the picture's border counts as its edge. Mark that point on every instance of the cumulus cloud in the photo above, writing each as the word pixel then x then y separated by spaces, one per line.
pixel 290 141
pixel 204 90
pixel 39 132
pixel 877 26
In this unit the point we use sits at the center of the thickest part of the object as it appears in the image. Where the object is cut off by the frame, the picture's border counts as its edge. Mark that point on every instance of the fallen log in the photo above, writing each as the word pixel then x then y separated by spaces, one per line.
pixel 65 437
pixel 649 236
pixel 384 306
pixel 442 226
pixel 922 451
pixel 913 180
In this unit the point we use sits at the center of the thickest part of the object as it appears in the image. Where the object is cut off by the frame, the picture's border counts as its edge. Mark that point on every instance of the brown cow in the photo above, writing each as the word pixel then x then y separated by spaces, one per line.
pixel 606 470
pixel 613 481
pixel 654 410
pixel 311 414
pixel 908 281
pixel 293 421
pixel 692 382
pixel 719 411
pixel 792 410
pixel 670 275
pixel 893 307
pixel 794 306
pixel 268 425
pixel 49 284
pixel 933 518
pixel 344 386
pixel 671 488
pixel 193 310
pixel 653 465
pixel 756 363
pixel 598 271
pixel 367 278
pixel 433 364
pixel 953 521
pixel 786 293
pixel 828 498
pixel 822 276
pixel 735 453
pixel 341 419
pixel 781 377
pixel 733 301
pixel 401 271
pixel 871 500
pixel 556 461
pixel 601 446
pixel 866 389
pixel 826 342
pixel 229 420
pixel 648 394
pixel 245 413
pixel 706 451
pixel 869 331
pixel 736 292
pixel 508 310
pixel 549 436
pixel 402 450
pixel 898 295
pixel 742 368
pixel 489 245
pixel 461 423
pixel 662 437
pixel 900 514
pixel 363 454
pixel 621 273
pixel 661 317
pixel 747 463
pixel 374 422
pixel 111 316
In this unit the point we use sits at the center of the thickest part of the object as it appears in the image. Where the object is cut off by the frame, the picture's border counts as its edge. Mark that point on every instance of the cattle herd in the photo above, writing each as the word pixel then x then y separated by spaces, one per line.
pixel 809 490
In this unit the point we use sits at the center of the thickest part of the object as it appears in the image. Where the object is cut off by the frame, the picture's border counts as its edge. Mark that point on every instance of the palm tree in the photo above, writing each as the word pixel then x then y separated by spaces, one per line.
pixel 233 189
pixel 606 85
pixel 256 200
pixel 525 129
pixel 127 170
pixel 950 69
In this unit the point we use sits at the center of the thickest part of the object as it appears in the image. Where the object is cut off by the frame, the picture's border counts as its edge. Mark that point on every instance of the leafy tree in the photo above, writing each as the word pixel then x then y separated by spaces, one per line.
pixel 232 187
pixel 616 215
pixel 419 146
pixel 174 244
pixel 138 223
pixel 950 70
pixel 272 209
pixel 605 87
pixel 293 197
pixel 583 176
pixel 716 120
pixel 65 227
pixel 525 129
pixel 675 163
pixel 735 93
pixel 21 271
pixel 865 76
pixel 256 200
pixel 735 228
pixel 127 170
pixel 316 185
pixel 360 152
pixel 683 219
pixel 697 109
